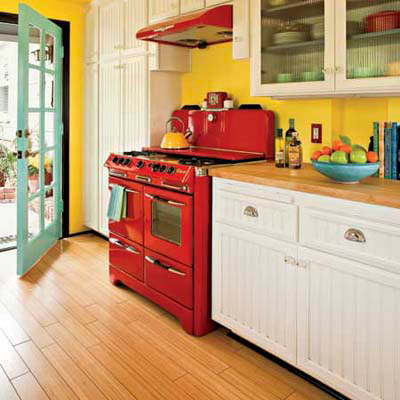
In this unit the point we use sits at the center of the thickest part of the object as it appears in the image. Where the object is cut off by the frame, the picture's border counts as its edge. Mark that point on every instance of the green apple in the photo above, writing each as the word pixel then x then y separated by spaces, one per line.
pixel 339 157
pixel 358 156
pixel 324 158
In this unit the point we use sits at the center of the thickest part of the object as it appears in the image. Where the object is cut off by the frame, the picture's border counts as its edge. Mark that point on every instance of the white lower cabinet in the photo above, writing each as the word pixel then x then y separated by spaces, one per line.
pixel 323 310
pixel 349 326
pixel 254 289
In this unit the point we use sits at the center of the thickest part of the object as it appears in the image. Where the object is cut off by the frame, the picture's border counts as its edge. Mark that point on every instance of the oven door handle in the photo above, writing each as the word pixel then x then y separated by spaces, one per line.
pixel 171 202
pixel 166 267
pixel 174 187
pixel 126 190
pixel 131 249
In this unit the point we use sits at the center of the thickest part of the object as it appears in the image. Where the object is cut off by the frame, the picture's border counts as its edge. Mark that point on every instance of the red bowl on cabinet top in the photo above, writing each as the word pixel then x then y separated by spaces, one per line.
pixel 382 21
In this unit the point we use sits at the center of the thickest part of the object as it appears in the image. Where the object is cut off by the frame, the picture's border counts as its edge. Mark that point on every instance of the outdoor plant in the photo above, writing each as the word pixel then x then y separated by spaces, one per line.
pixel 8 164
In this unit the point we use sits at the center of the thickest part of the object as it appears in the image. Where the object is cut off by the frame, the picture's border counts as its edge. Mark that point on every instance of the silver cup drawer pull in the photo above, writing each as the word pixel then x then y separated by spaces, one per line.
pixel 250 211
pixel 355 235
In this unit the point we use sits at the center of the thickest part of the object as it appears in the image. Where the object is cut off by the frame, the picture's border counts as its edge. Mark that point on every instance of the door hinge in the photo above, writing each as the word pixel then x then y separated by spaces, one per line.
pixel 61 205
pixel 62 52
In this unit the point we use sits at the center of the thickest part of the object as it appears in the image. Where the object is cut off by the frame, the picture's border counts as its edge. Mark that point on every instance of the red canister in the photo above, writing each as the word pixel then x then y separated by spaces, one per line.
pixel 382 21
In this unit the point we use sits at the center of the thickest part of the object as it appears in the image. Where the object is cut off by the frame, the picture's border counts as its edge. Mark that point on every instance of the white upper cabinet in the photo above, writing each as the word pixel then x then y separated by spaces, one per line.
pixel 188 6
pixel 134 18
pixel 241 29
pixel 368 46
pixel 162 9
pixel 112 30
pixel 92 35
pixel 324 47
pixel 210 3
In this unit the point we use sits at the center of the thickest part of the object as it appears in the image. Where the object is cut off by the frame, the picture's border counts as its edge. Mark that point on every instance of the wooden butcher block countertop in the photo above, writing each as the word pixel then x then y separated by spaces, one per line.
pixel 371 190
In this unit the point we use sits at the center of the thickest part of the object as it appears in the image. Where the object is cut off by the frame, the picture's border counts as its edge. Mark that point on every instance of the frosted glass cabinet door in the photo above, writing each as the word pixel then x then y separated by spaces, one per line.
pixel 293 47
pixel 368 46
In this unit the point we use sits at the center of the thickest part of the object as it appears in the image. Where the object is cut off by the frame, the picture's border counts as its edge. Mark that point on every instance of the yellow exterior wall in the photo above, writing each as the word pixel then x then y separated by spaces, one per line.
pixel 214 70
pixel 74 13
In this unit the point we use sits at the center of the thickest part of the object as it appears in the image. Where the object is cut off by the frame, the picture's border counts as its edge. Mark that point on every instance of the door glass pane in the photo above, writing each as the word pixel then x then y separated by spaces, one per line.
pixel 49 91
pixel 292 41
pixel 49 51
pixel 166 222
pixel 49 207
pixel 48 168
pixel 33 218
pixel 34 173
pixel 34 128
pixel 373 38
pixel 34 88
pixel 34 45
pixel 49 130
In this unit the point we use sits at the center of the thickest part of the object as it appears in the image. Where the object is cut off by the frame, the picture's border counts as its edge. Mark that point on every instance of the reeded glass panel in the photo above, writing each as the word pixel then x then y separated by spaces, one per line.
pixel 292 41
pixel 373 38
pixel 34 45
pixel 166 222
pixel 49 51
pixel 33 218
pixel 49 129
pixel 34 88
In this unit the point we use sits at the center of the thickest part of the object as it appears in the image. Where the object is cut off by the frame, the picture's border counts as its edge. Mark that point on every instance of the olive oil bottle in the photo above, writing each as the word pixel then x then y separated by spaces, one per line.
pixel 279 149
pixel 288 139
pixel 295 152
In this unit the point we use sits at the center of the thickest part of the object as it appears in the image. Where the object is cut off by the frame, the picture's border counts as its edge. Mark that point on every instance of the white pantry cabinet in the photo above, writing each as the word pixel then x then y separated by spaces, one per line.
pixel 331 275
pixel 254 289
pixel 188 6
pixel 162 9
pixel 111 29
pixel 211 3
pixel 91 53
pixel 323 48
pixel 134 18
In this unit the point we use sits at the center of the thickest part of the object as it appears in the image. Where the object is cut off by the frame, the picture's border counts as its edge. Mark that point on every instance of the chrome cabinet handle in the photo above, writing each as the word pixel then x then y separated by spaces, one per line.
pixel 250 211
pixel 290 260
pixel 132 191
pixel 166 267
pixel 116 242
pixel 131 249
pixel 176 203
pixel 143 178
pixel 171 202
pixel 355 235
pixel 302 264
pixel 118 174
pixel 174 187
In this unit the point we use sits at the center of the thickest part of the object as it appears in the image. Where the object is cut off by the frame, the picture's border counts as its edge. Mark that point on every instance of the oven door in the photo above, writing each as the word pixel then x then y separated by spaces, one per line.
pixel 130 227
pixel 169 224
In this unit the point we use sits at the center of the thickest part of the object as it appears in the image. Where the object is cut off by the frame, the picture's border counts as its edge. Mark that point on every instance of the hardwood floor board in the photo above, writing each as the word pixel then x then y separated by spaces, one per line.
pixel 26 320
pixel 80 383
pixel 150 374
pixel 10 360
pixel 11 328
pixel 49 379
pixel 7 391
pixel 84 360
pixel 299 384
pixel 197 389
pixel 148 352
pixel 28 388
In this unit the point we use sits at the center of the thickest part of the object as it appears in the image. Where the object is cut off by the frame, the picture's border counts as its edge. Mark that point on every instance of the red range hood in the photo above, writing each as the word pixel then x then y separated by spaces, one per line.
pixel 199 29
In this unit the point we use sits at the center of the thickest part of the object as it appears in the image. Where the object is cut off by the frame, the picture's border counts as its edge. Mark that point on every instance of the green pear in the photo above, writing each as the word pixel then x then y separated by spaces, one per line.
pixel 339 157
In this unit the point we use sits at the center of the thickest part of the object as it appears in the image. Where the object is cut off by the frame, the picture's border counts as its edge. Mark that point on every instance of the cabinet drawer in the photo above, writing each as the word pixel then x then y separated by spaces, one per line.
pixel 169 277
pixel 358 239
pixel 126 256
pixel 256 214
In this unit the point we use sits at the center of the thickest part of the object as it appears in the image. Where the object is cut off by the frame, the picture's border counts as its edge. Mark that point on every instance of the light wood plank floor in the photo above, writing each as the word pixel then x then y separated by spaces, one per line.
pixel 67 333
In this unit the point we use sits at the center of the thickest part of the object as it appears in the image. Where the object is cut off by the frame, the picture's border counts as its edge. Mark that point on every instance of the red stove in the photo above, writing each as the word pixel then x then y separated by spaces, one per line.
pixel 162 249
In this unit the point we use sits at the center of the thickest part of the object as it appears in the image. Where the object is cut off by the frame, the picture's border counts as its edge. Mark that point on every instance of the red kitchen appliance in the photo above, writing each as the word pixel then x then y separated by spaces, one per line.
pixel 198 29
pixel 162 249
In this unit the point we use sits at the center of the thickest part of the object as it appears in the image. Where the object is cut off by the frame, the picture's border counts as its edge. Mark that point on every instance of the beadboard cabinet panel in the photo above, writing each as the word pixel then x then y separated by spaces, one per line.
pixel 92 35
pixel 111 31
pixel 210 3
pixel 254 289
pixel 134 18
pixel 162 9
pixel 188 6
pixel 241 29
pixel 90 147
pixel 110 140
pixel 135 98
pixel 349 325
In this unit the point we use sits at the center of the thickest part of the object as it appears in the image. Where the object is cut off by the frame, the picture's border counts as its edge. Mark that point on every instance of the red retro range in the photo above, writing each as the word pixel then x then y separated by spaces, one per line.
pixel 162 249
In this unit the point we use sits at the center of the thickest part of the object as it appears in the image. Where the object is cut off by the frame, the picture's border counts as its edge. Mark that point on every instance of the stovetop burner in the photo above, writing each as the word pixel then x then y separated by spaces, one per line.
pixel 197 162
pixel 134 153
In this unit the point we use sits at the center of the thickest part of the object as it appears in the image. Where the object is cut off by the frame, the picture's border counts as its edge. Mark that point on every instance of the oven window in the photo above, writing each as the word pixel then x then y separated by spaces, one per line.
pixel 166 222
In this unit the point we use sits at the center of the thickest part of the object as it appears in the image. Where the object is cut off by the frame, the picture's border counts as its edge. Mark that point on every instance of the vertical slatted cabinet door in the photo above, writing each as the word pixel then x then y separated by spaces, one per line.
pixel 91 146
pixel 110 137
pixel 135 17
pixel 349 326
pixel 135 103
pixel 188 6
pixel 111 29
pixel 39 137
pixel 162 9
pixel 254 289
pixel 92 35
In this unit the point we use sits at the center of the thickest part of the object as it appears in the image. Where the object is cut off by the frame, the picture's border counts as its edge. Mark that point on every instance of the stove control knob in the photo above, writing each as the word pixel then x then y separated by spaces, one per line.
pixel 140 164
pixel 127 161
pixel 163 168
pixel 115 160
pixel 121 161
pixel 156 167
pixel 171 170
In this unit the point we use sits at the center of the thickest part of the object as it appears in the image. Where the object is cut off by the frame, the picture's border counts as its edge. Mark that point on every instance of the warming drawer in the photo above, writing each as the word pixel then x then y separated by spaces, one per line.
pixel 126 256
pixel 169 278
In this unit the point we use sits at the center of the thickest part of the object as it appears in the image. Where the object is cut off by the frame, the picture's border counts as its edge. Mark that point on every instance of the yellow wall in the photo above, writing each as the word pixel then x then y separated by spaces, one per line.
pixel 74 12
pixel 214 70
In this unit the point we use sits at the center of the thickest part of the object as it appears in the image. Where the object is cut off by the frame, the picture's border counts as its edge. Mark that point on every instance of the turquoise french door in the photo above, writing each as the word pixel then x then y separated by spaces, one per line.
pixel 39 202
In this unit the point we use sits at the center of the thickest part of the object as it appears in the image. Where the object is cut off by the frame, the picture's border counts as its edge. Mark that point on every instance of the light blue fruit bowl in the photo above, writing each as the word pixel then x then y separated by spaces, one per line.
pixel 346 173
